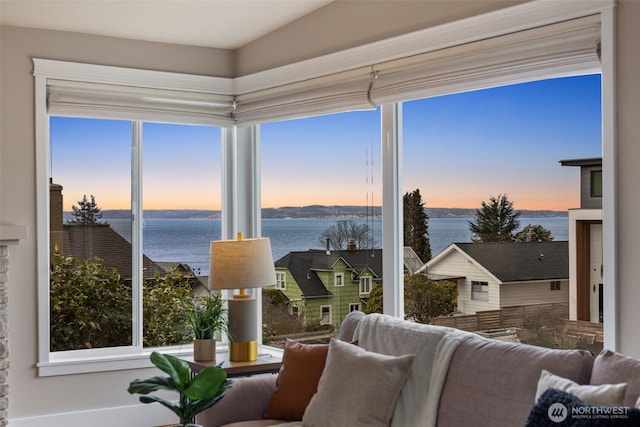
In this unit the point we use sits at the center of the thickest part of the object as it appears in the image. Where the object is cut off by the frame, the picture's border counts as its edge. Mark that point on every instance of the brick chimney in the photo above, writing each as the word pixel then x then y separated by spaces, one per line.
pixel 351 245
pixel 55 216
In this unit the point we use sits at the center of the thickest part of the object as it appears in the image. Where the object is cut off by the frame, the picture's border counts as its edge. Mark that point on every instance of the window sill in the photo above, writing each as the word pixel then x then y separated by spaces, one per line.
pixel 87 361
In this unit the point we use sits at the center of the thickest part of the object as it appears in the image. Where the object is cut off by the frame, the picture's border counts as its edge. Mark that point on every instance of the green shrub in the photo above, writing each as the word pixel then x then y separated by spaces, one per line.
pixel 167 301
pixel 90 306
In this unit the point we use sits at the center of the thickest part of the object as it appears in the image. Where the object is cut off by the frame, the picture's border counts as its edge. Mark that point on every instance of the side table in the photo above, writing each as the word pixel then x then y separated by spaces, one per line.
pixel 269 361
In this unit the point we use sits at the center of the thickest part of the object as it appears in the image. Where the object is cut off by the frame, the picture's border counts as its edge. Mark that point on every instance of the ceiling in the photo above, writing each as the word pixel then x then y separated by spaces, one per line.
pixel 226 24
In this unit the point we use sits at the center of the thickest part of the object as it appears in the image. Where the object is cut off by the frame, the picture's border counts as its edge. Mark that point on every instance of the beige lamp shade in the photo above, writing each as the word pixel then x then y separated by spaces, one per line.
pixel 240 264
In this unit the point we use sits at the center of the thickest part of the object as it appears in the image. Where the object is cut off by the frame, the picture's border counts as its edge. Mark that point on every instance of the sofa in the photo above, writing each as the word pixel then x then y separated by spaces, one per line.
pixel 382 370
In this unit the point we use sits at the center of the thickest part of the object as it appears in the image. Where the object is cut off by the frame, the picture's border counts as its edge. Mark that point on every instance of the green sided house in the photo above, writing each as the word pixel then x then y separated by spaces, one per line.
pixel 324 286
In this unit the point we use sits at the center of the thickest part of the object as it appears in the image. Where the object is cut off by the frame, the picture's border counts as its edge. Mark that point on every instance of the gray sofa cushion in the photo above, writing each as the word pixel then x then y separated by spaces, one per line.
pixel 494 382
pixel 246 400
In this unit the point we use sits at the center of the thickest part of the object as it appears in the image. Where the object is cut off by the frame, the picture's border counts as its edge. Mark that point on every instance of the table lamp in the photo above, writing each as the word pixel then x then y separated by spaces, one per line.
pixel 241 264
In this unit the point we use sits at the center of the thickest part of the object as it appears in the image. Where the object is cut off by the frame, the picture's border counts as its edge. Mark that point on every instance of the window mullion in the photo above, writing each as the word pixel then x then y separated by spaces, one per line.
pixel 136 235
pixel 392 246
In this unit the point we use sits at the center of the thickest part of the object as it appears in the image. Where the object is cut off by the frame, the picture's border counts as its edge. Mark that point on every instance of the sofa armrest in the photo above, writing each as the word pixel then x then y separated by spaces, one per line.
pixel 246 400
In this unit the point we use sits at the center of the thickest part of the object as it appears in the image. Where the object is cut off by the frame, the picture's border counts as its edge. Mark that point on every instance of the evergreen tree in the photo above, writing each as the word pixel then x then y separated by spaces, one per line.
pixel 534 233
pixel 496 221
pixel 87 212
pixel 416 225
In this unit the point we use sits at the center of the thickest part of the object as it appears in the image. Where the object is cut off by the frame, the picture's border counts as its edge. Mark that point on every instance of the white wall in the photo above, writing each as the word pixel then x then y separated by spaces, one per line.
pixel 627 175
pixel 514 294
pixel 456 264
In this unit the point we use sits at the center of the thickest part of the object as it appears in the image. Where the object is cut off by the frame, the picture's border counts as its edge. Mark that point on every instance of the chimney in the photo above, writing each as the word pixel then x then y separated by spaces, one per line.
pixel 328 250
pixel 351 245
pixel 531 236
pixel 55 216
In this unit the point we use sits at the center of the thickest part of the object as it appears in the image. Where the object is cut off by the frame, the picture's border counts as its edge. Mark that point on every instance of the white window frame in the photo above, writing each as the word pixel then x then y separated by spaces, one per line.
pixel 294 310
pixel 354 306
pixel 482 294
pixel 243 212
pixel 365 285
pixel 281 280
pixel 329 315
pixel 338 280
pixel 103 359
pixel 555 285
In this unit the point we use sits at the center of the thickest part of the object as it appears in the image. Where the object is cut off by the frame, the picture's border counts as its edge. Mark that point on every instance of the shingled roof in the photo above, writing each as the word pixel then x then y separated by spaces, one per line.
pixel 83 242
pixel 303 266
pixel 520 261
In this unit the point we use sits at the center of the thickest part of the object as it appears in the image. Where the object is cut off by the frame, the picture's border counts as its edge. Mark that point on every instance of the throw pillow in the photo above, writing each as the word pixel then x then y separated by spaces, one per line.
pixel 357 388
pixel 603 395
pixel 559 408
pixel 611 367
pixel 302 366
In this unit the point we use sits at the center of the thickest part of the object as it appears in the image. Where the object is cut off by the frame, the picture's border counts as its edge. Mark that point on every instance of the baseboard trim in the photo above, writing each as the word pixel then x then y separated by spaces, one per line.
pixel 122 416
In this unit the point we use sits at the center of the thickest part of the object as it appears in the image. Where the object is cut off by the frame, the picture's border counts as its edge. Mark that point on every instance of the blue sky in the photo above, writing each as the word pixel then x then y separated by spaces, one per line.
pixel 458 150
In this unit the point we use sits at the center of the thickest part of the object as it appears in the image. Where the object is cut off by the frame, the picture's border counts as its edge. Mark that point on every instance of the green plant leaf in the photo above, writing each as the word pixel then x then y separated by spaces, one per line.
pixel 151 384
pixel 177 369
pixel 206 383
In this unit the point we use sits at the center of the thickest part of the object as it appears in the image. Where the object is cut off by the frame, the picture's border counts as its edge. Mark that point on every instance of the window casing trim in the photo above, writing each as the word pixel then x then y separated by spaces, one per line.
pixel 329 314
pixel 338 280
pixel 281 280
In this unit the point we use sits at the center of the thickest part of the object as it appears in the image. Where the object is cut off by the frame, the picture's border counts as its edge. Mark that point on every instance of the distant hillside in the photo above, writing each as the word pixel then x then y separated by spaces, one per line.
pixel 158 214
pixel 320 211
pixel 313 211
pixel 470 213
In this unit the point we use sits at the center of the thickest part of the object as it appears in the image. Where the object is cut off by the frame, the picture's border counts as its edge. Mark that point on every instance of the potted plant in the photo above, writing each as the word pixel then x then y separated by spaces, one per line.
pixel 198 391
pixel 208 319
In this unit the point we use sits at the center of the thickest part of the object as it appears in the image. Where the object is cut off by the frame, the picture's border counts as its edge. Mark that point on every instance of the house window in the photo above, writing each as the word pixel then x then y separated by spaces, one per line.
pixel 325 315
pixel 479 291
pixel 596 183
pixel 295 310
pixel 98 168
pixel 281 280
pixel 365 285
pixel 354 306
pixel 132 167
pixel 338 279
pixel 555 285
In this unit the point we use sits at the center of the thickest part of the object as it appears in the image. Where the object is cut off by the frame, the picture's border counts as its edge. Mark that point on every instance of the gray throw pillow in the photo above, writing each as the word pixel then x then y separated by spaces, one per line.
pixel 601 395
pixel 357 388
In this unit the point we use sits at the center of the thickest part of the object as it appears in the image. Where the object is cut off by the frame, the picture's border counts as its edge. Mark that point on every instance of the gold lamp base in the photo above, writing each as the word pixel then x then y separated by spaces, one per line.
pixel 246 351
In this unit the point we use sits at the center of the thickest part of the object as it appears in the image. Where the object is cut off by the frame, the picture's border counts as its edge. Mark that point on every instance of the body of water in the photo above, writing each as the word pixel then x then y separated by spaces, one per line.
pixel 187 240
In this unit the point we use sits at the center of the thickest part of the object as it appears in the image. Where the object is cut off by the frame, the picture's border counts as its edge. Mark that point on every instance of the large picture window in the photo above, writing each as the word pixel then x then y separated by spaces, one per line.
pixel 100 270
pixel 509 56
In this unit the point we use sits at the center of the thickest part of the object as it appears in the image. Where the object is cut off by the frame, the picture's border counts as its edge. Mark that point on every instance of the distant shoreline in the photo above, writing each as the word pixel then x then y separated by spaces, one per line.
pixel 316 212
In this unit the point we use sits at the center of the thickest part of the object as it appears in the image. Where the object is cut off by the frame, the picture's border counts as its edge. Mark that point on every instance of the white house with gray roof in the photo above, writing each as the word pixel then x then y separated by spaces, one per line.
pixel 491 276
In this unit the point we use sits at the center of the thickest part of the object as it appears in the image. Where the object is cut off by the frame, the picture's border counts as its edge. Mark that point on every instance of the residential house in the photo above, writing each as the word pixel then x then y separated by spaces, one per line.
pixel 586 280
pixel 492 275
pixel 308 54
pixel 324 286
